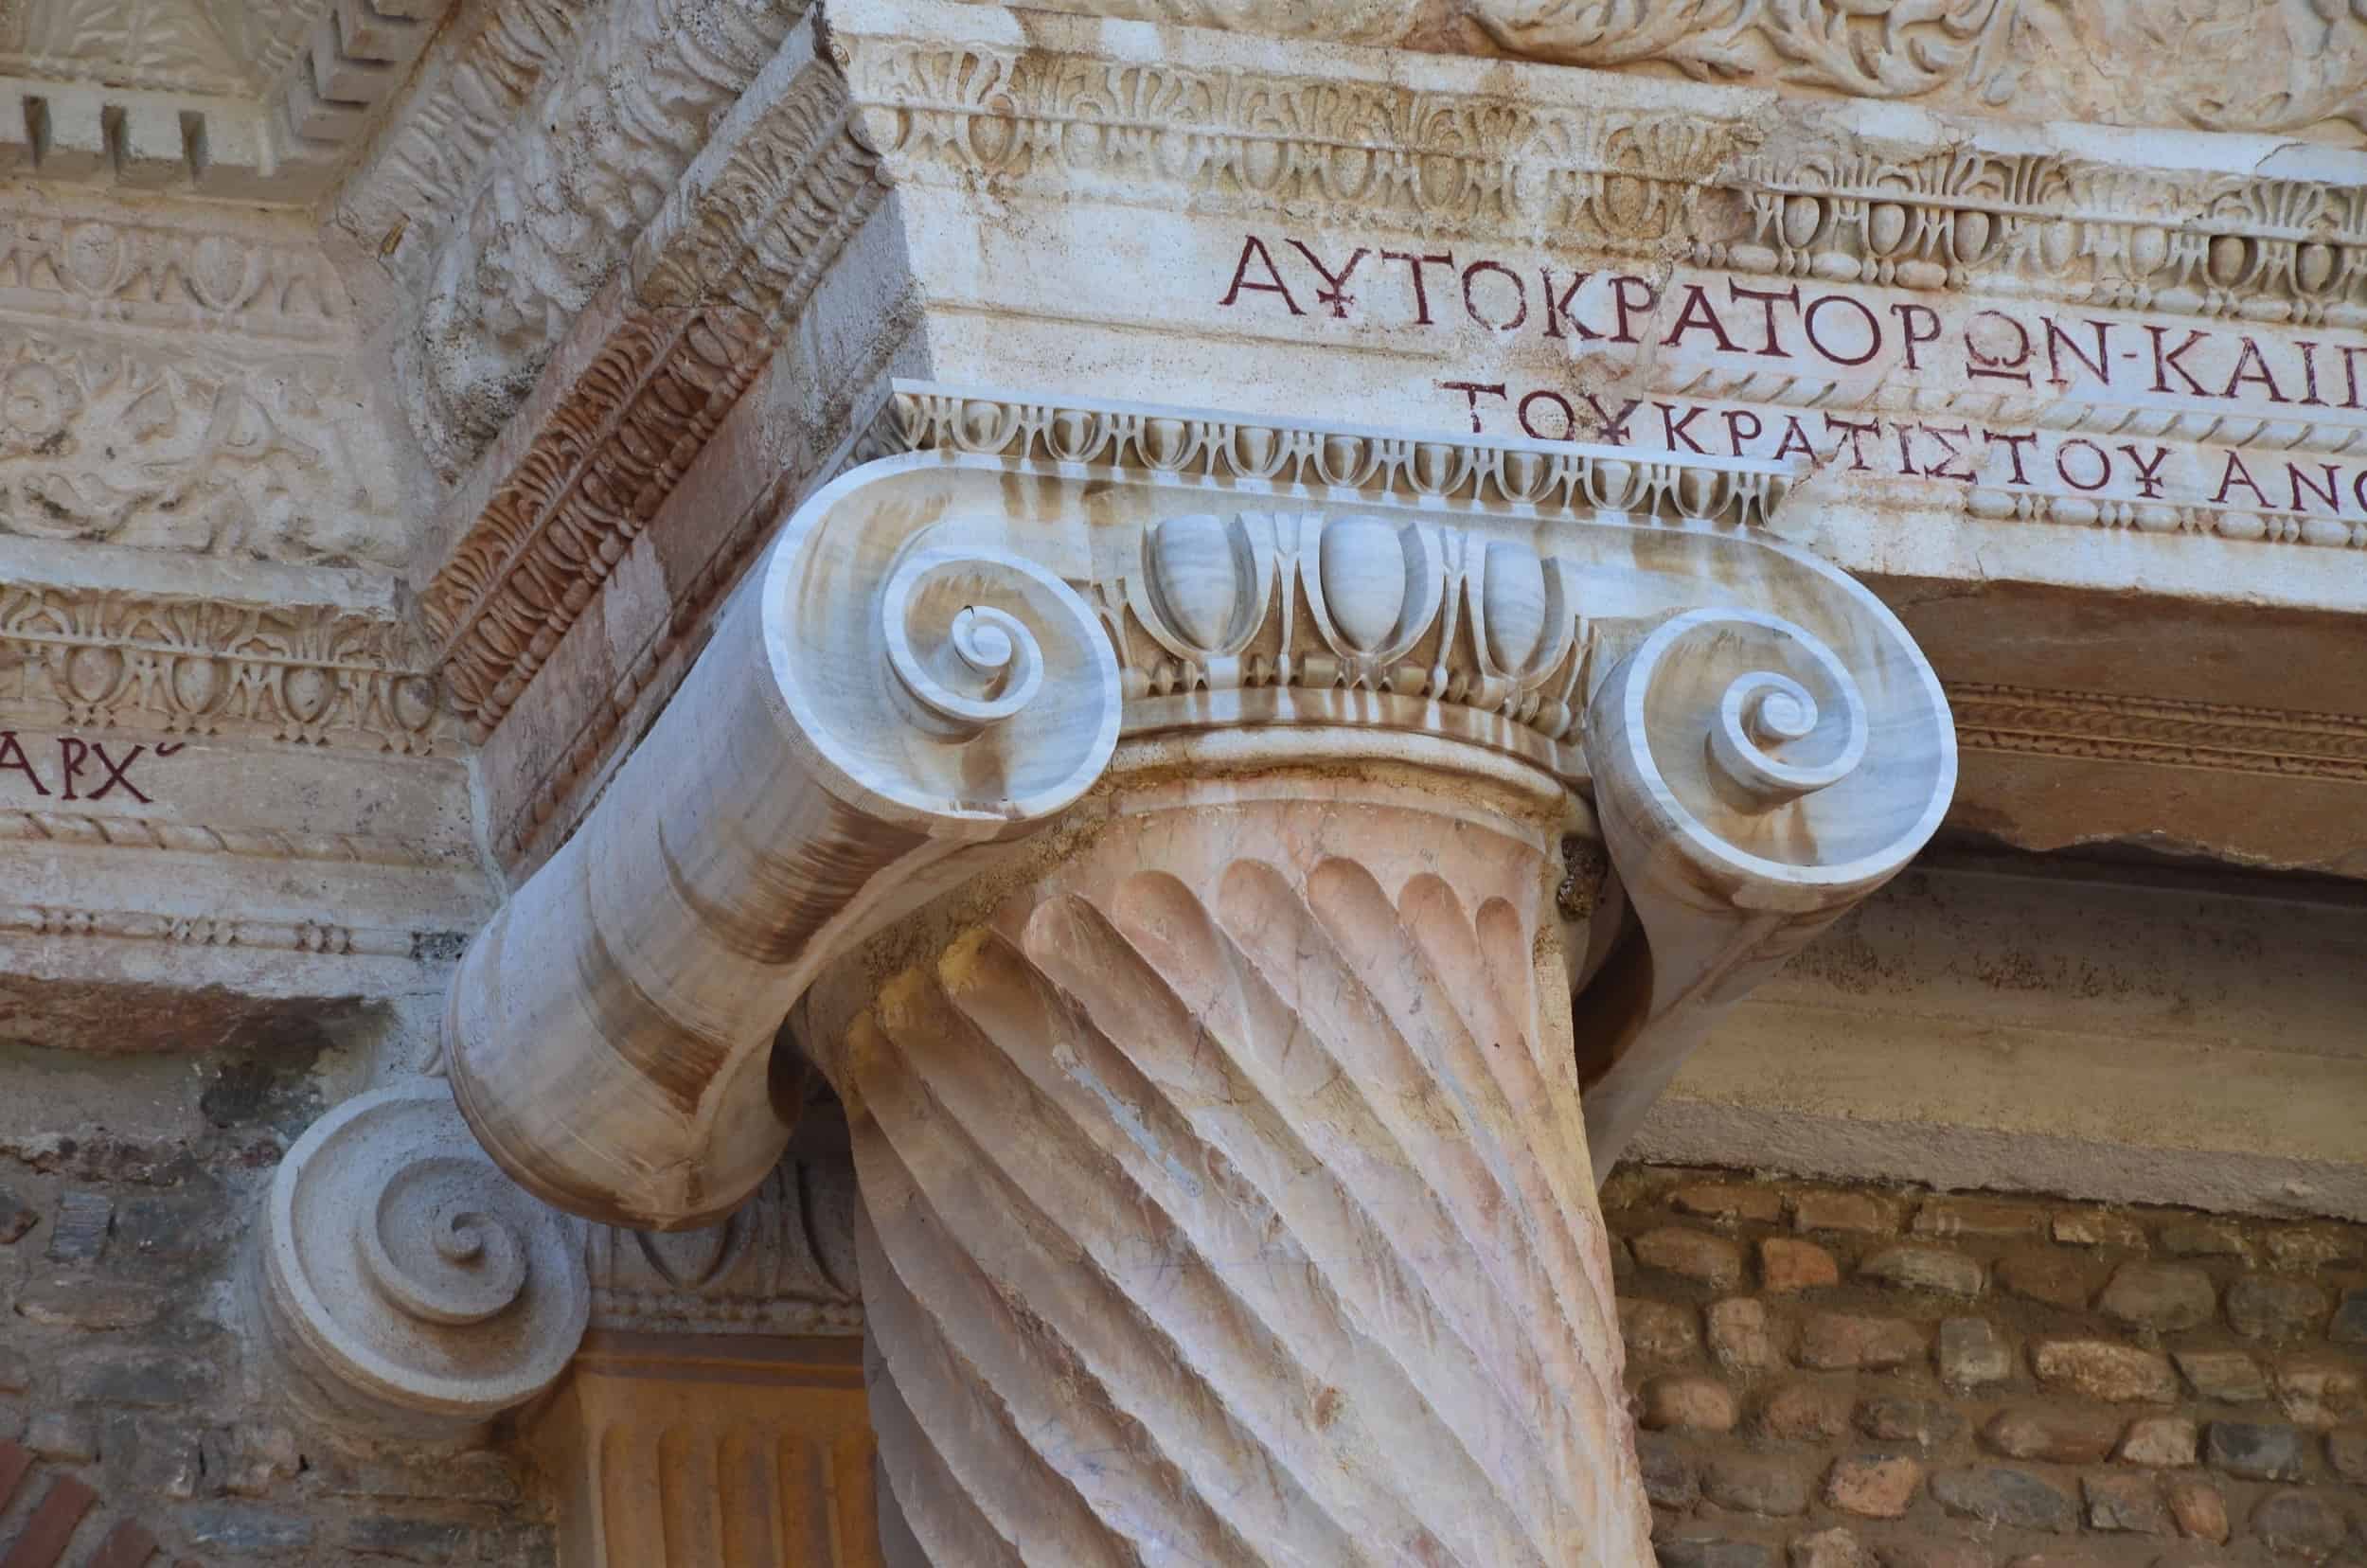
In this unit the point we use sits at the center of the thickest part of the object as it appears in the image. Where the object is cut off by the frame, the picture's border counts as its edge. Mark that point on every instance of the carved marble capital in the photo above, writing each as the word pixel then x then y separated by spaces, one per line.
pixel 940 657
pixel 405 1288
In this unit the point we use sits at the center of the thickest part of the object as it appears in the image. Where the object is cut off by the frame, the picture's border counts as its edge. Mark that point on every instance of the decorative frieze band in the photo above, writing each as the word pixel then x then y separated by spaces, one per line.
pixel 2276 742
pixel 304 674
pixel 129 833
pixel 1307 458
pixel 669 347
pixel 1075 109
pixel 334 941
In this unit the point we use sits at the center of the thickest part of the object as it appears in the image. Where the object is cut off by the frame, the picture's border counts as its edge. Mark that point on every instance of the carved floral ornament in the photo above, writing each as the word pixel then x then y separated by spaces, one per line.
pixel 2219 64
pixel 1607 170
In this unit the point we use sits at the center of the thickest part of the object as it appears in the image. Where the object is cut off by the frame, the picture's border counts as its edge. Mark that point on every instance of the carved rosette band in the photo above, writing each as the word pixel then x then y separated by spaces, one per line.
pixel 1223 1155
pixel 405 1287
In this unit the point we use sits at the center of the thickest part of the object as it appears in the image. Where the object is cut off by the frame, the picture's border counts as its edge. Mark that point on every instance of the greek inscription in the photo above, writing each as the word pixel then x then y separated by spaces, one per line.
pixel 81 770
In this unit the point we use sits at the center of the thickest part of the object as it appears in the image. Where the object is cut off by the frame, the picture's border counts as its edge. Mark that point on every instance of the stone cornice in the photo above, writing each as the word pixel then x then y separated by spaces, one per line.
pixel 1148 441
pixel 2291 68
pixel 1071 106
pixel 2279 743
pixel 647 373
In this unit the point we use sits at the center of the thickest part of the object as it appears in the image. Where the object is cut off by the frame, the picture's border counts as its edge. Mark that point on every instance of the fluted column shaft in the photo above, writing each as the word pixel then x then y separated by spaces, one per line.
pixel 1226 1193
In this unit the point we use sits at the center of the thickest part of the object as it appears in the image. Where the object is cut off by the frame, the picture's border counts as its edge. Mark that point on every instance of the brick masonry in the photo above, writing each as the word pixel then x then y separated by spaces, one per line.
pixel 126 1397
pixel 1835 1378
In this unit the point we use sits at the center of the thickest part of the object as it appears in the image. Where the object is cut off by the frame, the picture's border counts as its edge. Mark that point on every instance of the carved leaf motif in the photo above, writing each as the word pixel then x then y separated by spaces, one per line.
pixel 2224 65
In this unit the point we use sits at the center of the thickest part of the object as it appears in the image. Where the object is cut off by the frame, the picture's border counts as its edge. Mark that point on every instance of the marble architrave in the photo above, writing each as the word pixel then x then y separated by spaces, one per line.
pixel 2095 384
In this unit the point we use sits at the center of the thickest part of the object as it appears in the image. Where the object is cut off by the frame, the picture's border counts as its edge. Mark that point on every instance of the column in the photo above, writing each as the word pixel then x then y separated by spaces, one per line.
pixel 1226 1188
pixel 1159 859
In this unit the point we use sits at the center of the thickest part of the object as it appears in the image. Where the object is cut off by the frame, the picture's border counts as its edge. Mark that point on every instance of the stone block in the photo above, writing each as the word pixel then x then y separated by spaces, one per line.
pixel 68 1437
pixel 1804 1412
pixel 2161 1297
pixel 2003 1497
pixel 1693 1551
pixel 1902 1419
pixel 2203 1238
pixel 408 1539
pixel 2231 1377
pixel 242 1530
pixel 2322 1390
pixel 2125 1505
pixel 1787 1267
pixel 16 1218
pixel 2198 1507
pixel 2255 1451
pixel 1729 1201
pixel 2099 1369
pixel 1688 1404
pixel 1659 1331
pixel 1711 1260
pixel 16 1371
pixel 2347 1452
pixel 2064 1435
pixel 1933 1554
pixel 2350 1318
pixel 1979 1217
pixel 2267 1307
pixel 2163 1442
pixel 1925 1268
pixel 78 1232
pixel 1840 1341
pixel 146 1381
pixel 2304 1247
pixel 1833 1548
pixel 2300 1524
pixel 1873 1485
pixel 1742 1337
pixel 1767 1484
pixel 1669 1479
pixel 2098 1228
pixel 90 1305
pixel 1850 1213
pixel 1973 1354
pixel 2050 1274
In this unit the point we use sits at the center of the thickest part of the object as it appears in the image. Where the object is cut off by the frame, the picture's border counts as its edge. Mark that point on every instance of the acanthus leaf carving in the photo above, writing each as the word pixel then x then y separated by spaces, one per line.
pixel 2228 66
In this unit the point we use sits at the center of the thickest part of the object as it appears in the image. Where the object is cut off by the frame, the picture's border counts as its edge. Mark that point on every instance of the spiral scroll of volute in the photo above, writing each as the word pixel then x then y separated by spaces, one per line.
pixel 402 1286
pixel 1753 779
pixel 882 706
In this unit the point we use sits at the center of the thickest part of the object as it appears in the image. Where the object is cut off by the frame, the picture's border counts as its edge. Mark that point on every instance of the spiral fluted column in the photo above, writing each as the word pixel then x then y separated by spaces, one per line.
pixel 1225 1189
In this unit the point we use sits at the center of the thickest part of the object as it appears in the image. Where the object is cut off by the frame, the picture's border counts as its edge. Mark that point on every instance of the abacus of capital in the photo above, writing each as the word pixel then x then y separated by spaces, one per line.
pixel 1158 858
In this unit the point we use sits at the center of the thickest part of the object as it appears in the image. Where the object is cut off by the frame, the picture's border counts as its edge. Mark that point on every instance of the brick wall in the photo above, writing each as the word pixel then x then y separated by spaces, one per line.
pixel 130 1419
pixel 1830 1376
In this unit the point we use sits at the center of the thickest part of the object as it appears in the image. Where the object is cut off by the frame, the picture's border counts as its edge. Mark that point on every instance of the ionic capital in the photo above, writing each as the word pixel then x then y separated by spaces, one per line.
pixel 943 652
pixel 405 1288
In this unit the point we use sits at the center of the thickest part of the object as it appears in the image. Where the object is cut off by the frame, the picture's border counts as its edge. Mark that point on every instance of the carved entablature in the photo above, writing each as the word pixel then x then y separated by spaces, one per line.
pixel 947 651
pixel 241 99
pixel 2293 67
